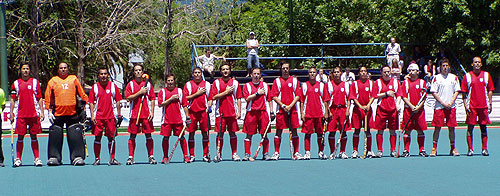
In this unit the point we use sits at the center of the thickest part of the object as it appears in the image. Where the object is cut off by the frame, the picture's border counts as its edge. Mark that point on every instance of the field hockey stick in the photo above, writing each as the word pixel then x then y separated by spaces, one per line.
pixel 325 128
pixel 340 137
pixel 208 137
pixel 87 125
pixel 366 137
pixel 422 96
pixel 262 140
pixel 118 123
pixel 12 142
pixel 146 78
pixel 290 133
pixel 216 160
pixel 176 142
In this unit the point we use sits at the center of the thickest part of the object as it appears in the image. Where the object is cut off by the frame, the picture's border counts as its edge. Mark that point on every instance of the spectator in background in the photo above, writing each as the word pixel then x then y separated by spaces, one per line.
pixel 207 62
pixel 396 69
pixel 441 55
pixel 392 51
pixel 322 77
pixel 252 53
pixel 430 71
pixel 347 76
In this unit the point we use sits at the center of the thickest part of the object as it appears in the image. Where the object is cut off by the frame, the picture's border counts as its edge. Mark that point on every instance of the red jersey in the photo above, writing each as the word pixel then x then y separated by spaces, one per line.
pixel 199 103
pixel 361 91
pixel 227 106
pixel 382 86
pixel 476 87
pixel 337 94
pixel 259 103
pixel 27 93
pixel 313 97
pixel 134 87
pixel 412 90
pixel 104 98
pixel 285 90
pixel 173 113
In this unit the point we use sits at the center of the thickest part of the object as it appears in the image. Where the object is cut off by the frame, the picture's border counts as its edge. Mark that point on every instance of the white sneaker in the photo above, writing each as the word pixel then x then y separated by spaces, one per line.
pixel 322 155
pixel 343 155
pixel 38 162
pixel 276 156
pixel 354 154
pixel 236 157
pixel 370 154
pixel 332 156
pixel 307 155
pixel 298 156
pixel 191 159
pixel 17 162
pixel 379 154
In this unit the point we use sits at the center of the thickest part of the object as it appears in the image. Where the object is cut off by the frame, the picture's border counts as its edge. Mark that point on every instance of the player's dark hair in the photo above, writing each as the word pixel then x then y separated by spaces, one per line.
pixel 256 68
pixel 197 68
pixel 223 64
pixel 170 75
pixel 444 60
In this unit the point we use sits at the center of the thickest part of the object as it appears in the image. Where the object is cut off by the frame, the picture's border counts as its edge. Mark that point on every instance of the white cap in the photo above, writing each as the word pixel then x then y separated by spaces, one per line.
pixel 251 33
pixel 412 66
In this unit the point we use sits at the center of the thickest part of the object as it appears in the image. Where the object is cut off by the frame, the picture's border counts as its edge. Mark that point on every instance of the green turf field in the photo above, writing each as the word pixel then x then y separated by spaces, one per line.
pixel 442 175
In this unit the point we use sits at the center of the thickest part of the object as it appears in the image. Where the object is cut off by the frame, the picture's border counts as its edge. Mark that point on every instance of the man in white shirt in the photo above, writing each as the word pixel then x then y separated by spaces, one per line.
pixel 445 88
pixel 392 51
pixel 322 77
pixel 207 61
pixel 348 76
pixel 252 52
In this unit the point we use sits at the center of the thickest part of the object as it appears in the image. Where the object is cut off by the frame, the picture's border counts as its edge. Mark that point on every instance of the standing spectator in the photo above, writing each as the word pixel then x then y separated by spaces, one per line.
pixel 430 71
pixel 477 87
pixel 392 51
pixel 322 77
pixel 253 53
pixel 441 55
pixel 347 76
pixel 207 62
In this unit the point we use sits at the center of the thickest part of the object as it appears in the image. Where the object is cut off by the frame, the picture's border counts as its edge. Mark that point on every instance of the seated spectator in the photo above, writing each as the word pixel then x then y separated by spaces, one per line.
pixel 207 62
pixel 347 75
pixel 430 71
pixel 396 69
pixel 322 77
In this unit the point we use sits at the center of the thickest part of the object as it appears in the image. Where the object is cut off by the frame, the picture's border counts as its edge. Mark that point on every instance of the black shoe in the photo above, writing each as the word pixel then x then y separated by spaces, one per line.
pixel 470 153
pixel 53 162
pixel 423 153
pixel 485 152
pixel 1 164
pixel 405 154
pixel 130 161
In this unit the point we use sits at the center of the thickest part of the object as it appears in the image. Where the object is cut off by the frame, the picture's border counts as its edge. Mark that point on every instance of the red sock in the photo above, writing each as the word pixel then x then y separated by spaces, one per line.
pixel 369 142
pixel 191 147
pixel 392 139
pixel 307 143
pixel 343 143
pixel 484 139
pixel 131 147
pixel 469 142
pixel 149 146
pixel 205 147
pixel 34 146
pixel 421 140
pixel 97 149
pixel 111 150
pixel 165 145
pixel 234 144
pixel 19 148
pixel 407 141
pixel 265 146
pixel 321 147
pixel 435 144
pixel 277 142
pixel 355 142
pixel 248 143
pixel 380 141
pixel 331 143
pixel 452 145
pixel 184 147
pixel 295 142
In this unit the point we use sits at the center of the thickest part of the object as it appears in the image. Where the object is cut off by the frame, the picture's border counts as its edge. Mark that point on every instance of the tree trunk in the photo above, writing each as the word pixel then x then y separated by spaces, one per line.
pixel 168 35
pixel 35 69
pixel 81 50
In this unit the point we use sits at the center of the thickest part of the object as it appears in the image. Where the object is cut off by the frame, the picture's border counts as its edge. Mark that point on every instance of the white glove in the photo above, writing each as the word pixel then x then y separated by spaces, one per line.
pixel 51 118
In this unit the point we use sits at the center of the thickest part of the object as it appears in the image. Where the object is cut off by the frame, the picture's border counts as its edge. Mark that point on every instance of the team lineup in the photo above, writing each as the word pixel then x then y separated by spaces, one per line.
pixel 321 108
